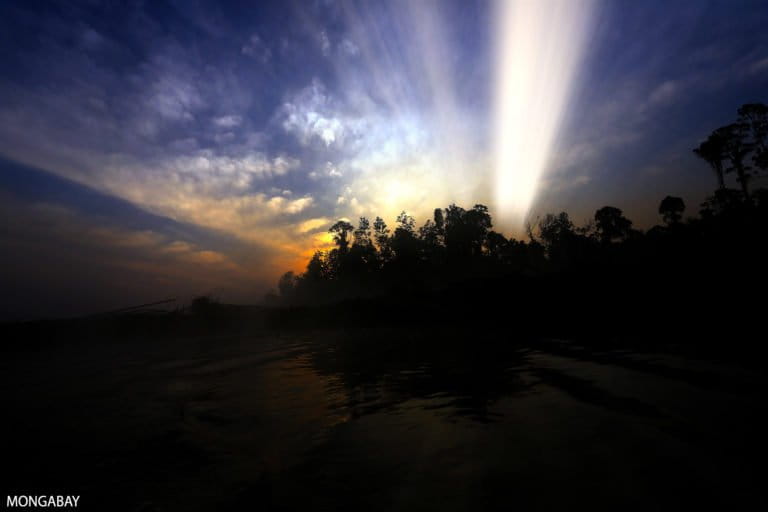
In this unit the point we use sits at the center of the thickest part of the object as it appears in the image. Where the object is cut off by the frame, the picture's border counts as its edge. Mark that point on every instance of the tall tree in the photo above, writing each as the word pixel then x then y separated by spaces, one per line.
pixel 363 232
pixel 381 235
pixel 404 242
pixel 317 268
pixel 736 147
pixel 466 230
pixel 671 209
pixel 340 231
pixel 712 151
pixel 554 229
pixel 286 284
pixel 611 224
pixel 362 255
pixel 755 115
pixel 406 222
pixel 496 245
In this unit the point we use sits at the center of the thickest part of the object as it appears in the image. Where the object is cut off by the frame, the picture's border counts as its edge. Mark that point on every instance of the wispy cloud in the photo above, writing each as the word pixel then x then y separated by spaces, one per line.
pixel 257 49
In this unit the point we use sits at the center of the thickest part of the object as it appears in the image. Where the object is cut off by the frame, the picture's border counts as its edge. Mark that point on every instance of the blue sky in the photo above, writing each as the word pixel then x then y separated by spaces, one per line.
pixel 154 149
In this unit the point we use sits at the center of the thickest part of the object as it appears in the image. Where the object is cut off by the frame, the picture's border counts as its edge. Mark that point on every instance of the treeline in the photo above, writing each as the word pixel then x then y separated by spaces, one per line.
pixel 724 242
pixel 459 244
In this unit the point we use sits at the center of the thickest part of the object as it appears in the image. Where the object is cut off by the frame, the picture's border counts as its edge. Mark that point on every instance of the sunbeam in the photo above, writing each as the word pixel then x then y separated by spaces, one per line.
pixel 539 45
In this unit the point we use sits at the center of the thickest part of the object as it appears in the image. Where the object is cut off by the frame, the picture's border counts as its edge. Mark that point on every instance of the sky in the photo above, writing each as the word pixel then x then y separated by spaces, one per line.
pixel 172 148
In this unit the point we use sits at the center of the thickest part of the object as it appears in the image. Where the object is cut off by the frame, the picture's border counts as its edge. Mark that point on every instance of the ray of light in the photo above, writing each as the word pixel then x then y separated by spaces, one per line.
pixel 539 46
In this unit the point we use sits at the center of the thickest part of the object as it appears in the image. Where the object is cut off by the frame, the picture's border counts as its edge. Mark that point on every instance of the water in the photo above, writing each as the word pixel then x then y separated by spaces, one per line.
pixel 379 420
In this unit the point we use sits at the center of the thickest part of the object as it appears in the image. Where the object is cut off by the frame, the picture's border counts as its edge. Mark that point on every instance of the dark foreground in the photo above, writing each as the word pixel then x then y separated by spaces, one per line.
pixel 379 419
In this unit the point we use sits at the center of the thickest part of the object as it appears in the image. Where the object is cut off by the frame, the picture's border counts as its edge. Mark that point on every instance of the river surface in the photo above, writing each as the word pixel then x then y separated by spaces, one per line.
pixel 372 420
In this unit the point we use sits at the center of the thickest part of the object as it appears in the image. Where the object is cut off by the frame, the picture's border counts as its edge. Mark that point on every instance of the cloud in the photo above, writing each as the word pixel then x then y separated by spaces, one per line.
pixel 156 245
pixel 92 40
pixel 664 93
pixel 284 163
pixel 175 98
pixel 349 48
pixel 152 244
pixel 204 172
pixel 313 115
pixel 229 121
pixel 393 159
pixel 177 246
pixel 126 239
pixel 328 170
pixel 257 49
pixel 107 265
pixel 312 225
pixel 581 180
pixel 759 66
pixel 325 44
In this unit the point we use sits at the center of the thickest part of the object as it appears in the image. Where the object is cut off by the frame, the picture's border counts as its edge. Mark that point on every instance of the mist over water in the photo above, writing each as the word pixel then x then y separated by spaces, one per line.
pixel 539 47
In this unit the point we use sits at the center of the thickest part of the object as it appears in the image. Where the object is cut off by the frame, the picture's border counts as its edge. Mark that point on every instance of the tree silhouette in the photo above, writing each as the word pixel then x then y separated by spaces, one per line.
pixel 737 146
pixel 362 258
pixel 496 245
pixel 381 235
pixel 555 229
pixel 433 231
pixel 317 269
pixel 611 224
pixel 671 209
pixel 404 241
pixel 465 231
pixel 459 244
pixel 712 151
pixel 340 231
pixel 755 116
pixel 363 232
pixel 287 283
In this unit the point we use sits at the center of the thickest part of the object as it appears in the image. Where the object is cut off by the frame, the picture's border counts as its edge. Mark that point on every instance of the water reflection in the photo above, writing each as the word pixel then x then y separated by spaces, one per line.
pixel 378 419
pixel 380 370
